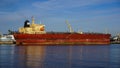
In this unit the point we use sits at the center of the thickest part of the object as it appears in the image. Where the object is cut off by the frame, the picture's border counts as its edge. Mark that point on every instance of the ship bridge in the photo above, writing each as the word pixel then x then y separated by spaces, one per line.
pixel 32 28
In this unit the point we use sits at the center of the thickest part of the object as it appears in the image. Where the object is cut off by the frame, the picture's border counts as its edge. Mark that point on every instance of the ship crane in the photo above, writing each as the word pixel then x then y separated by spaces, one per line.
pixel 69 27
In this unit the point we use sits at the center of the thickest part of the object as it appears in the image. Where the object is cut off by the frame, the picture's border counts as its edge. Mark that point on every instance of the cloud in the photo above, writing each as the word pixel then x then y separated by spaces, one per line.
pixel 80 13
pixel 66 4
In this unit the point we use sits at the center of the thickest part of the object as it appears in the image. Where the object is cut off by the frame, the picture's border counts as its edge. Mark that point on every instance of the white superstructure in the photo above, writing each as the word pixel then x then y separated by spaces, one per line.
pixel 7 38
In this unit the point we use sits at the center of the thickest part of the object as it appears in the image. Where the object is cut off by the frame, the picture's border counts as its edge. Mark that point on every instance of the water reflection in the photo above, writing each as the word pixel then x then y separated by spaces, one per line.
pixel 35 56
pixel 59 56
pixel 115 56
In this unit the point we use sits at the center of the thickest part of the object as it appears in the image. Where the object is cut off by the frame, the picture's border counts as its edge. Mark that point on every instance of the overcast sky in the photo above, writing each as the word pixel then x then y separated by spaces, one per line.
pixel 83 15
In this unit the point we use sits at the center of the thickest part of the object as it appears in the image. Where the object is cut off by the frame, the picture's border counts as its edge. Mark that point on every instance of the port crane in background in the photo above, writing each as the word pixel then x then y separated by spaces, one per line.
pixel 69 26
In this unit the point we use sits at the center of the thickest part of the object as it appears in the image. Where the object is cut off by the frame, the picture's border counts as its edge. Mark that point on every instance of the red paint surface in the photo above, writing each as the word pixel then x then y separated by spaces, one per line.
pixel 62 38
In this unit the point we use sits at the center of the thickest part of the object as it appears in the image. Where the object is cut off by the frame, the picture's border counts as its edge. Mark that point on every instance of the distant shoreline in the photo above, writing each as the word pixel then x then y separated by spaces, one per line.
pixel 115 42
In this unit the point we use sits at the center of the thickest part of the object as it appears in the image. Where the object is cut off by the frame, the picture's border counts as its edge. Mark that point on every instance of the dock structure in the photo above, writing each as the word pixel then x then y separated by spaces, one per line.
pixel 7 42
pixel 115 39
pixel 115 42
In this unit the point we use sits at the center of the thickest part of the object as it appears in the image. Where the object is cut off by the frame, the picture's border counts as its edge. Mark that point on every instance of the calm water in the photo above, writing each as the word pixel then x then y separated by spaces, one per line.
pixel 98 56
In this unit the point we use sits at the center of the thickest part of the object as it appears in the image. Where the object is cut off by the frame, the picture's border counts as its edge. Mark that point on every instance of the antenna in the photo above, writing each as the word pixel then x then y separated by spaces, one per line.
pixel 69 27
pixel 40 22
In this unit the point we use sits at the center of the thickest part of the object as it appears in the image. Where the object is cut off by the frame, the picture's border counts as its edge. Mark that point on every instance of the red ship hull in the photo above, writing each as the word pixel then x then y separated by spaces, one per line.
pixel 62 38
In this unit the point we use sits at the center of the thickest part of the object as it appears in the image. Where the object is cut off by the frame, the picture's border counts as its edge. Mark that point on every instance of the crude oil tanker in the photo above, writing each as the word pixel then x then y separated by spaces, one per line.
pixel 36 34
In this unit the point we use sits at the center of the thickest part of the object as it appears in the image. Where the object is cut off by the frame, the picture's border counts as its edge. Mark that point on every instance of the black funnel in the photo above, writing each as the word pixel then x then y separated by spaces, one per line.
pixel 26 23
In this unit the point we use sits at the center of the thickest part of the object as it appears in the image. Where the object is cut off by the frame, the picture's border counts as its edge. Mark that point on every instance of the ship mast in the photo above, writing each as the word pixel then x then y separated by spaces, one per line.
pixel 69 27
pixel 33 22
